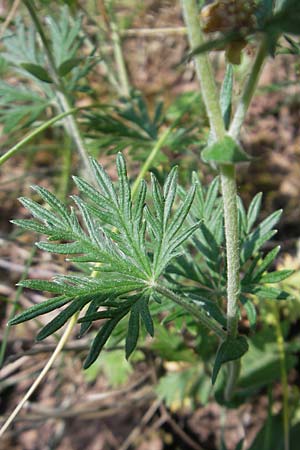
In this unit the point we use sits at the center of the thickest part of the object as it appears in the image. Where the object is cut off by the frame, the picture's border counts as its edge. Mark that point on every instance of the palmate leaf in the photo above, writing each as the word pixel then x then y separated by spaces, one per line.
pixel 207 269
pixel 129 248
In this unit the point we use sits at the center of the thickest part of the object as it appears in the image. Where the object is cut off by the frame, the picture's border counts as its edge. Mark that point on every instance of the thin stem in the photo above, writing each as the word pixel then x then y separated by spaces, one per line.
pixel 65 169
pixel 9 17
pixel 204 69
pixel 248 91
pixel 119 57
pixel 153 31
pixel 228 181
pixel 16 148
pixel 196 312
pixel 151 157
pixel 42 375
pixel 158 146
pixel 74 131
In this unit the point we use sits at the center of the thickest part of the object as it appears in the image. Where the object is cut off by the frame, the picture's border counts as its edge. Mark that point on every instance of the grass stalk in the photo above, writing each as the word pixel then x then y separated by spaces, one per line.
pixel 30 136
pixel 42 375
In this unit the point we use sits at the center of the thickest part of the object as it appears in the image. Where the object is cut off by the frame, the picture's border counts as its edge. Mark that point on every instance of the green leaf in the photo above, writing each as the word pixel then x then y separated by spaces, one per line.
pixel 225 151
pixel 40 309
pixel 267 293
pixel 85 325
pixel 145 315
pixel 276 277
pixel 42 285
pixel 250 310
pixel 253 211
pixel 226 95
pixel 133 330
pixel 229 350
pixel 265 264
pixel 68 65
pixel 53 202
pixel 63 317
pixel 124 188
pixel 37 71
pixel 169 193
pixel 101 339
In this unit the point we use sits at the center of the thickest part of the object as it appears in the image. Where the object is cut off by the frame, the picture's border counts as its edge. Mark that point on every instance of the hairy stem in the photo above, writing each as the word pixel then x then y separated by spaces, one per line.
pixel 229 192
pixel 228 181
pixel 190 306
pixel 204 69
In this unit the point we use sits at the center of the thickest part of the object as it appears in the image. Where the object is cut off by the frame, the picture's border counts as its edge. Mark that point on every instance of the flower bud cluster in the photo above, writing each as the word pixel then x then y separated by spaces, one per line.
pixel 229 15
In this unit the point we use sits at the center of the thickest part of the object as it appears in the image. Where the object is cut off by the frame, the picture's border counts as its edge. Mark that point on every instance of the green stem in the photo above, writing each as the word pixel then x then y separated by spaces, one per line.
pixel 229 192
pixel 158 146
pixel 65 169
pixel 196 312
pixel 248 91
pixel 119 57
pixel 151 157
pixel 204 69
pixel 16 148
pixel 228 181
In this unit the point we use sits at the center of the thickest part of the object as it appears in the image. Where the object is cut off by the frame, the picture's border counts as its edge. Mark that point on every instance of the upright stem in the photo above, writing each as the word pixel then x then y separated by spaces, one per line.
pixel 229 192
pixel 204 69
pixel 228 182
pixel 119 57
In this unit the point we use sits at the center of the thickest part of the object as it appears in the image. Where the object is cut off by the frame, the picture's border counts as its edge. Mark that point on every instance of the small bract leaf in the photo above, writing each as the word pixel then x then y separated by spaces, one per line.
pixel 225 151
pixel 68 65
pixel 229 350
pixel 37 71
